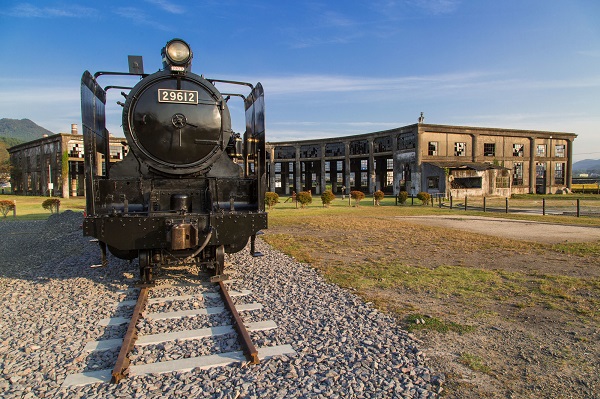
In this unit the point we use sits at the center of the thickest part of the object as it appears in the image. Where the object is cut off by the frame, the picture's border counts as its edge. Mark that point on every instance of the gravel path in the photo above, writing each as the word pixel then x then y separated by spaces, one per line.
pixel 52 302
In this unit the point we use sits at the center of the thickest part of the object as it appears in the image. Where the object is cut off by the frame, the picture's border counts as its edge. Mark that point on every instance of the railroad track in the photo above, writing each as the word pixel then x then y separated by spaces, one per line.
pixel 133 339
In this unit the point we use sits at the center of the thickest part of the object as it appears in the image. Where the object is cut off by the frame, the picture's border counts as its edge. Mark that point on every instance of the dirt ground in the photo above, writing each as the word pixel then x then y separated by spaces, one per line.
pixel 521 349
pixel 531 352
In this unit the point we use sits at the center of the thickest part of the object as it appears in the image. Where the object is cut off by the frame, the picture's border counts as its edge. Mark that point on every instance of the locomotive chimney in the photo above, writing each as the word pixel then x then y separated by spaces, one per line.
pixel 73 128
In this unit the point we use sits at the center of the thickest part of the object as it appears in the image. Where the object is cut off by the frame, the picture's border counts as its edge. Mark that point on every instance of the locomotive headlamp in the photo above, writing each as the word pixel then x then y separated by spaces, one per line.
pixel 177 54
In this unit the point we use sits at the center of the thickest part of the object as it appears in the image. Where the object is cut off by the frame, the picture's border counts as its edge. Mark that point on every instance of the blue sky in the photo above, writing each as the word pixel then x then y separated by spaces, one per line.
pixel 329 68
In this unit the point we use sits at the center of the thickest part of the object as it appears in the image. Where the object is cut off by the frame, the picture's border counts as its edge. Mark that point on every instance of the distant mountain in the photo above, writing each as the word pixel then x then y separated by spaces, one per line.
pixel 21 129
pixel 587 165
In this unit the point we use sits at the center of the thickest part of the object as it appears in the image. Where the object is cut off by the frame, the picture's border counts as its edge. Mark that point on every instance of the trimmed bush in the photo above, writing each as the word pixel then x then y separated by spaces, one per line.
pixel 304 198
pixel 402 196
pixel 378 196
pixel 271 199
pixel 6 206
pixel 424 197
pixel 327 197
pixel 357 196
pixel 51 204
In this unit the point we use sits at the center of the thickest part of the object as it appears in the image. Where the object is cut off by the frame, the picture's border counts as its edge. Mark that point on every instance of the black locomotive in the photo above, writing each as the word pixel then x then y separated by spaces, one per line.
pixel 190 189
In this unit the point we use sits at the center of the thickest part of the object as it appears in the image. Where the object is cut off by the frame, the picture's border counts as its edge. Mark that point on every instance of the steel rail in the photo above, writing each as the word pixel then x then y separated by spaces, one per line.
pixel 120 370
pixel 247 346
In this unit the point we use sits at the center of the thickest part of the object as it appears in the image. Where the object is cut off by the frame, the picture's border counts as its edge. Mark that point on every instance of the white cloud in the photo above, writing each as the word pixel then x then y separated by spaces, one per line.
pixel 167 6
pixel 26 10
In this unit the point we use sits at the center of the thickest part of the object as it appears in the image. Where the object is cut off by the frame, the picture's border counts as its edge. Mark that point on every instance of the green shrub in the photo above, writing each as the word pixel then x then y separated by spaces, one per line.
pixel 304 198
pixel 6 206
pixel 357 196
pixel 402 196
pixel 424 197
pixel 271 199
pixel 52 205
pixel 378 196
pixel 327 197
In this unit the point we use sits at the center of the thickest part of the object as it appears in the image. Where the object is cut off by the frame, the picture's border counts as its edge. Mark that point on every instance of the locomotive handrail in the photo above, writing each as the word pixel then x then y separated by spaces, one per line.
pixel 233 82
pixel 117 87
pixel 100 73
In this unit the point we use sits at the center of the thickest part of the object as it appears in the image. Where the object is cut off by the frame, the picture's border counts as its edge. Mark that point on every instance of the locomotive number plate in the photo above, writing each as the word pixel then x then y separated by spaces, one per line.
pixel 177 96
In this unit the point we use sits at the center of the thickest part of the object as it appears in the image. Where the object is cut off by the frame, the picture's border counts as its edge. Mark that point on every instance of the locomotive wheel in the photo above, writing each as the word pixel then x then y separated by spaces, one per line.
pixel 220 259
pixel 219 265
pixel 145 267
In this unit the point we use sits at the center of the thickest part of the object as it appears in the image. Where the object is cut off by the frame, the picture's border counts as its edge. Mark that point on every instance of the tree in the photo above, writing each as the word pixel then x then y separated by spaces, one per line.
pixel 304 198
pixel 357 196
pixel 402 196
pixel 327 197
pixel 378 196
pixel 424 197
pixel 271 199
pixel 6 206
pixel 52 205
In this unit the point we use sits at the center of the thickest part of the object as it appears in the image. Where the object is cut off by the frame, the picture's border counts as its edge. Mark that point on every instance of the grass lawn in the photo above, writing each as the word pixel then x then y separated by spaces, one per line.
pixel 30 208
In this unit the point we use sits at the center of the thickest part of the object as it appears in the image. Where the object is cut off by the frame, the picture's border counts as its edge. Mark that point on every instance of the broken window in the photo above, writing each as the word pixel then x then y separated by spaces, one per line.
pixel 460 149
pixel 433 182
pixel 518 150
pixel 541 150
pixel 559 173
pixel 432 148
pixel 489 149
pixel 518 174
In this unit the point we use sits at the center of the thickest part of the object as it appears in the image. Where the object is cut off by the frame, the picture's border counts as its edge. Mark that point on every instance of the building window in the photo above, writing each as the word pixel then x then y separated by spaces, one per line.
pixel 390 163
pixel 363 164
pixel 406 141
pixel 359 147
pixel 389 180
pixel 518 150
pixel 310 151
pixel 277 167
pixel 460 149
pixel 277 180
pixel 559 151
pixel 327 178
pixel 541 150
pixel 432 148
pixel 285 152
pixel 518 174
pixel 340 165
pixel 433 182
pixel 364 179
pixel 559 173
pixel 382 144
pixel 540 170
pixel 327 166
pixel 335 150
pixel 489 149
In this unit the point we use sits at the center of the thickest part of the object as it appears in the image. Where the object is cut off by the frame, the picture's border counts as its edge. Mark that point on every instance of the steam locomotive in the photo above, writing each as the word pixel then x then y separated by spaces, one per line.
pixel 190 189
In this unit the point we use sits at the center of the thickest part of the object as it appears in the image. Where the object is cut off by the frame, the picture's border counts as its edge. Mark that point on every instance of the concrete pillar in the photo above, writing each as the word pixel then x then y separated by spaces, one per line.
pixel 475 147
pixel 322 187
pixel 298 170
pixel 569 171
pixel 531 165
pixel 347 166
pixel 271 151
pixel 371 167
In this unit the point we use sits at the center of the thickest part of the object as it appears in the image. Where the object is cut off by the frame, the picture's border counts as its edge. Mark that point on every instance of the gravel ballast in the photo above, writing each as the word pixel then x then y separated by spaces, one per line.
pixel 53 300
